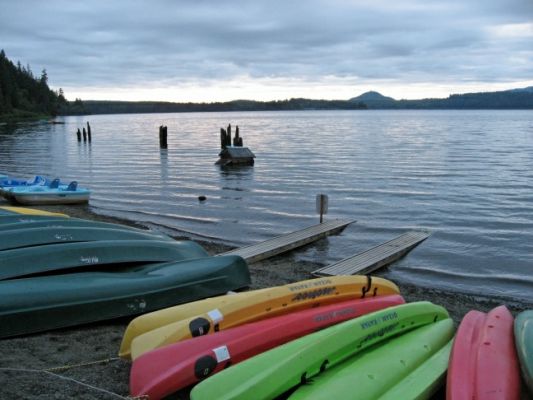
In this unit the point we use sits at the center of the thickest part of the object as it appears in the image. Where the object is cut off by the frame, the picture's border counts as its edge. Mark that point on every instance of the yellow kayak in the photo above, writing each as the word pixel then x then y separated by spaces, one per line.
pixel 31 211
pixel 257 305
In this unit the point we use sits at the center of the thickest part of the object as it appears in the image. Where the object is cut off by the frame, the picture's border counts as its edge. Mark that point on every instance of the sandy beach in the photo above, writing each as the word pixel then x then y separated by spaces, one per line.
pixel 82 362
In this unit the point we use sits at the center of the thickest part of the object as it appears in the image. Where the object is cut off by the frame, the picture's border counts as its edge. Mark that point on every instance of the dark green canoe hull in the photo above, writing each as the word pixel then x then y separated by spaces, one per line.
pixel 93 255
pixel 42 303
pixel 63 234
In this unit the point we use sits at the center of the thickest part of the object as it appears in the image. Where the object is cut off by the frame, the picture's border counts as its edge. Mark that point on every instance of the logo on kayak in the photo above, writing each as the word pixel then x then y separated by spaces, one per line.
pixel 336 314
pixel 309 285
pixel 89 260
pixel 314 294
pixel 63 237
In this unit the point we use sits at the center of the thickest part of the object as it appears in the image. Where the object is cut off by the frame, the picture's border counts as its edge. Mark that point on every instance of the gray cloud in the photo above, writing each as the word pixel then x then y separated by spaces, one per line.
pixel 124 43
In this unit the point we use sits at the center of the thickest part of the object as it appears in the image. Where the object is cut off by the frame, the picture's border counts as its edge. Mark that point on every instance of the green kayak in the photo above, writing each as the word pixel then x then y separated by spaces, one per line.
pixel 278 370
pixel 49 235
pixel 16 218
pixel 523 332
pixel 377 371
pixel 41 303
pixel 93 255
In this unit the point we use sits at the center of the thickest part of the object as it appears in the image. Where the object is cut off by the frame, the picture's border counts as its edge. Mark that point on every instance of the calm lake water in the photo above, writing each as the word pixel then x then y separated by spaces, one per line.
pixel 467 176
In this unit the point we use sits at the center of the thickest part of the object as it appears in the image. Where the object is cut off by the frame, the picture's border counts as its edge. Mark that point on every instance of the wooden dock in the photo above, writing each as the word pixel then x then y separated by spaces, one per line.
pixel 291 241
pixel 376 257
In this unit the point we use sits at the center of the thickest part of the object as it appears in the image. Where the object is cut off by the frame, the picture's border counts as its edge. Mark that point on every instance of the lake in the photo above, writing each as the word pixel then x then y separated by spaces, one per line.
pixel 467 176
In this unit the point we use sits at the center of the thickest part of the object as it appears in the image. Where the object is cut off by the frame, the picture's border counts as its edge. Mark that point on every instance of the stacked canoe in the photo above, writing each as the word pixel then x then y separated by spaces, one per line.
pixel 57 271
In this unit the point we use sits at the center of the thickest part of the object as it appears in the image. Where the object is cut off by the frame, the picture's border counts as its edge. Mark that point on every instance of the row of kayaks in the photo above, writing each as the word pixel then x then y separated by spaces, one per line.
pixel 42 190
pixel 57 271
pixel 347 336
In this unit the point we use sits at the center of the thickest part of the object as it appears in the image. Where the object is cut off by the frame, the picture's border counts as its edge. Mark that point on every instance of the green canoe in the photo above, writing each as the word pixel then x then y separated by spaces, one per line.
pixel 55 222
pixel 278 370
pixel 523 332
pixel 41 303
pixel 49 235
pixel 16 218
pixel 377 371
pixel 93 255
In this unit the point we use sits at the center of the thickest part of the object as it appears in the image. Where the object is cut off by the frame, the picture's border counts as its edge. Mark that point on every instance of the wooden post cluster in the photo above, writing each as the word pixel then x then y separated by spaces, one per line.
pixel 163 137
pixel 86 133
pixel 225 137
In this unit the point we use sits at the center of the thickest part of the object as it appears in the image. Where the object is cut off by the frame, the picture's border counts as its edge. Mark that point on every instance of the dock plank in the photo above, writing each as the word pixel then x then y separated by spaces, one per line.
pixel 290 241
pixel 376 257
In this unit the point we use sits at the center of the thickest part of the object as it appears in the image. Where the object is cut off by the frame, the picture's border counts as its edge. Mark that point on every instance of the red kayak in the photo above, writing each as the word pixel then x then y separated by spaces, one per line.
pixel 163 371
pixel 483 362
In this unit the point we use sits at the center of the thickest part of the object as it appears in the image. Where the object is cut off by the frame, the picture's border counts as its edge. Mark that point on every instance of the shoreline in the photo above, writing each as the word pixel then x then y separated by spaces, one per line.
pixel 80 346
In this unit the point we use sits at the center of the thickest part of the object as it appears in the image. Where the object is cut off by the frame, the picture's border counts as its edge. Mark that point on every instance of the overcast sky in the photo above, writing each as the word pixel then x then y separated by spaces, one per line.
pixel 198 50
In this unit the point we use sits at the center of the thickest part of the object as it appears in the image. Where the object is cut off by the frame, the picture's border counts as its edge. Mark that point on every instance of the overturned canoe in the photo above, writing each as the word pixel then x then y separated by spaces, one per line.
pixel 164 371
pixel 276 371
pixel 21 222
pixel 265 304
pixel 20 238
pixel 523 331
pixel 10 210
pixel 41 303
pixel 93 255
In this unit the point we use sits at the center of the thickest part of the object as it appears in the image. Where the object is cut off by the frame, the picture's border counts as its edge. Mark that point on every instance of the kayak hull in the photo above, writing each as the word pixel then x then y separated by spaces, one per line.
pixel 523 330
pixel 161 372
pixel 276 371
pixel 483 362
pixel 264 304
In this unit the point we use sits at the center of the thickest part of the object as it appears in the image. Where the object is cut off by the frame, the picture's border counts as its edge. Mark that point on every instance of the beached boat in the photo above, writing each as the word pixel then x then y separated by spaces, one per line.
pixel 10 210
pixel 273 302
pixel 19 238
pixel 410 366
pixel 38 195
pixel 46 302
pixel 6 182
pixel 523 331
pixel 164 371
pixel 483 361
pixel 276 371
pixel 66 257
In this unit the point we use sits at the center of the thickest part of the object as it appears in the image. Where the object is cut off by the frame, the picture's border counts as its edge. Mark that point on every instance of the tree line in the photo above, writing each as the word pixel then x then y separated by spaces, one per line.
pixel 22 94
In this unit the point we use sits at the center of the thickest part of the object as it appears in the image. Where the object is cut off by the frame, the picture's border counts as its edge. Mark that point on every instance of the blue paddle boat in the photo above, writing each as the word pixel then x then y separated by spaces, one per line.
pixel 52 194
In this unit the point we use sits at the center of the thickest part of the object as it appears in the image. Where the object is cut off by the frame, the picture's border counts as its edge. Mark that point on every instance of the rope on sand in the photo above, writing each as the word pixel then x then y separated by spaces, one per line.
pixel 83 364
pixel 48 372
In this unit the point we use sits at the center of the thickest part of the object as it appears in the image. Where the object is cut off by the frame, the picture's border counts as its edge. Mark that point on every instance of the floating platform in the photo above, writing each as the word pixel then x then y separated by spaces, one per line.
pixel 376 257
pixel 291 241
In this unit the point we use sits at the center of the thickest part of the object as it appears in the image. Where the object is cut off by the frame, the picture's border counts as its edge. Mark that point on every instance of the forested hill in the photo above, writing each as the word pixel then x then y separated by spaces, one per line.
pixel 22 95
pixel 130 107
pixel 507 99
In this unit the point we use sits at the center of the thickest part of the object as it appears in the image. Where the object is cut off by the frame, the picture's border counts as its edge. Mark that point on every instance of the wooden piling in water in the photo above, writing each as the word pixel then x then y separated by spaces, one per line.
pixel 84 135
pixel 78 134
pixel 88 131
pixel 163 137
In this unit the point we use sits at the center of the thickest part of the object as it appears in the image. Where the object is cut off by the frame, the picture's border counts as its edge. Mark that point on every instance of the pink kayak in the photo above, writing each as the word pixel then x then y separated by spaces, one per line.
pixel 166 370
pixel 483 362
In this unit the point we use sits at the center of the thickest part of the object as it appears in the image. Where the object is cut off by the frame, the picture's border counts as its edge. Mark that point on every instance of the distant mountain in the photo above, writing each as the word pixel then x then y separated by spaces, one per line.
pixel 374 100
pixel 507 99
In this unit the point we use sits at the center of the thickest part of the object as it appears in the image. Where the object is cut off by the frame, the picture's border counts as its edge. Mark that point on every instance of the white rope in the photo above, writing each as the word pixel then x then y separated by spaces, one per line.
pixel 67 379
